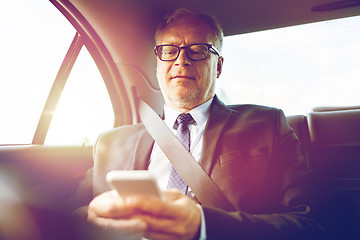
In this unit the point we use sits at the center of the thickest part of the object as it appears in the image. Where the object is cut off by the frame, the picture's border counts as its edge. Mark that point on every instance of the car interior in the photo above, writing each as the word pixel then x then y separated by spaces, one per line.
pixel 119 37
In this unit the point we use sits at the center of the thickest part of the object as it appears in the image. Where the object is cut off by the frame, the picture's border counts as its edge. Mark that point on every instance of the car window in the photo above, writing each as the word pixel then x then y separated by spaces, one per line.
pixel 294 68
pixel 35 37
pixel 84 109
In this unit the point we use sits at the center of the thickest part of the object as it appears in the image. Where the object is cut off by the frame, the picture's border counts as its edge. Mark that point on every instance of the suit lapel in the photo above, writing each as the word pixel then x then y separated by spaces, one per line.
pixel 218 117
pixel 143 150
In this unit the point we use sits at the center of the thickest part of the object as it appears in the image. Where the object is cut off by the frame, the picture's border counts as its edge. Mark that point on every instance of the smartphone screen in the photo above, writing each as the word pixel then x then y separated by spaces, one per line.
pixel 133 182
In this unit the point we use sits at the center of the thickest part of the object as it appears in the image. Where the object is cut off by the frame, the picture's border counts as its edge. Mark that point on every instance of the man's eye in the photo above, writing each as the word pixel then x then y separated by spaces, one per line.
pixel 169 51
pixel 197 52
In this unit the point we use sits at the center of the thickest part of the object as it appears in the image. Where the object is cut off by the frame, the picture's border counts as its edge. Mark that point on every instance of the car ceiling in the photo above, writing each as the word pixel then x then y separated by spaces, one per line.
pixel 236 16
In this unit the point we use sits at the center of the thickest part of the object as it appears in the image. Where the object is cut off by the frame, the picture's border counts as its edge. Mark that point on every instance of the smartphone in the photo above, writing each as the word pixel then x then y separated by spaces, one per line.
pixel 134 182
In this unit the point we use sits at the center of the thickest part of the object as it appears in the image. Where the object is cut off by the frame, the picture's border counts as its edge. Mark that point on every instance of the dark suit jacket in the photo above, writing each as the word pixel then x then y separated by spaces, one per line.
pixel 253 156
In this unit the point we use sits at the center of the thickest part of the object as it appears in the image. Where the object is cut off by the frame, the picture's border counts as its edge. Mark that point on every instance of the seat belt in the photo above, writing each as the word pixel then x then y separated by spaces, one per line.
pixel 204 188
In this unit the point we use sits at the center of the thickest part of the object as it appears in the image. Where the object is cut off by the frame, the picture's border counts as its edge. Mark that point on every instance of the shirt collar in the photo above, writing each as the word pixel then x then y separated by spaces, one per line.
pixel 200 114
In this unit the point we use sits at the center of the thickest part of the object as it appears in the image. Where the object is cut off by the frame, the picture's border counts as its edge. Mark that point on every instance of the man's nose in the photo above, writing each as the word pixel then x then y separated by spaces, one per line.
pixel 182 59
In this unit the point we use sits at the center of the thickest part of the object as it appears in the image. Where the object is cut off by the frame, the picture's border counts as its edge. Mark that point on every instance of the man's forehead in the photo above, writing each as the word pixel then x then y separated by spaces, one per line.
pixel 188 21
pixel 191 29
pixel 176 38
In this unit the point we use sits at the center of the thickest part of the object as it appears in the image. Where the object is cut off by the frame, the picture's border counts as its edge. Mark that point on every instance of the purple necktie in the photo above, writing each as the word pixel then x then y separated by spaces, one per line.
pixel 183 134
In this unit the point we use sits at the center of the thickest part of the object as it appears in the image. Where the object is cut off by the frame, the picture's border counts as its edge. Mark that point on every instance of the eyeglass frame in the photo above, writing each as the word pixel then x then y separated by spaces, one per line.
pixel 211 49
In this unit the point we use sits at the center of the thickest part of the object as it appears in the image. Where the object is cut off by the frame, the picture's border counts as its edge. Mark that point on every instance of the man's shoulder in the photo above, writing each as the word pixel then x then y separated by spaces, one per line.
pixel 240 109
pixel 126 128
pixel 253 110
pixel 250 107
pixel 122 133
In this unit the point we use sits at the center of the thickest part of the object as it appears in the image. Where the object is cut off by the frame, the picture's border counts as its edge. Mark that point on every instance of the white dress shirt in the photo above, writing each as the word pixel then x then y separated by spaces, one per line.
pixel 160 165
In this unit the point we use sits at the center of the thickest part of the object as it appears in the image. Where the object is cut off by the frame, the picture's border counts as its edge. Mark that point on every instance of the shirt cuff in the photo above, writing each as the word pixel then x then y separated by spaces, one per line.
pixel 202 224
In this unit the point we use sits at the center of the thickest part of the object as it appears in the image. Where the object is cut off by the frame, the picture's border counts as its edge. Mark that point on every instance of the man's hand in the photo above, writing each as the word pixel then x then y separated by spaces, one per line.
pixel 108 211
pixel 178 217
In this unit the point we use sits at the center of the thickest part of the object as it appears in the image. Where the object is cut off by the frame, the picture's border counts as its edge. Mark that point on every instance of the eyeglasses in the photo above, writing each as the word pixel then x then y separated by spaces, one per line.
pixel 195 52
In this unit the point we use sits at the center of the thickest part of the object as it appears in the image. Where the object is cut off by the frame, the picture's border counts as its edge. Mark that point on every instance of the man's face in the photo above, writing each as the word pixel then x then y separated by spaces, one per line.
pixel 185 83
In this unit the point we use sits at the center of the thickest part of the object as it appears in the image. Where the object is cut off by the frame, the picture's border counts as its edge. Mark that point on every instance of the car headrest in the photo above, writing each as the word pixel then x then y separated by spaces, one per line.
pixel 337 128
pixel 334 108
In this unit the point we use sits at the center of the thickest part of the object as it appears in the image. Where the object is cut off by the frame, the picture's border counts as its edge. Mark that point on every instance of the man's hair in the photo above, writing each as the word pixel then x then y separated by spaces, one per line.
pixel 216 30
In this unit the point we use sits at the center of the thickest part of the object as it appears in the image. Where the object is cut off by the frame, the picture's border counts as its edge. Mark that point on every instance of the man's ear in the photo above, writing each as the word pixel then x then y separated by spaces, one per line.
pixel 219 66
